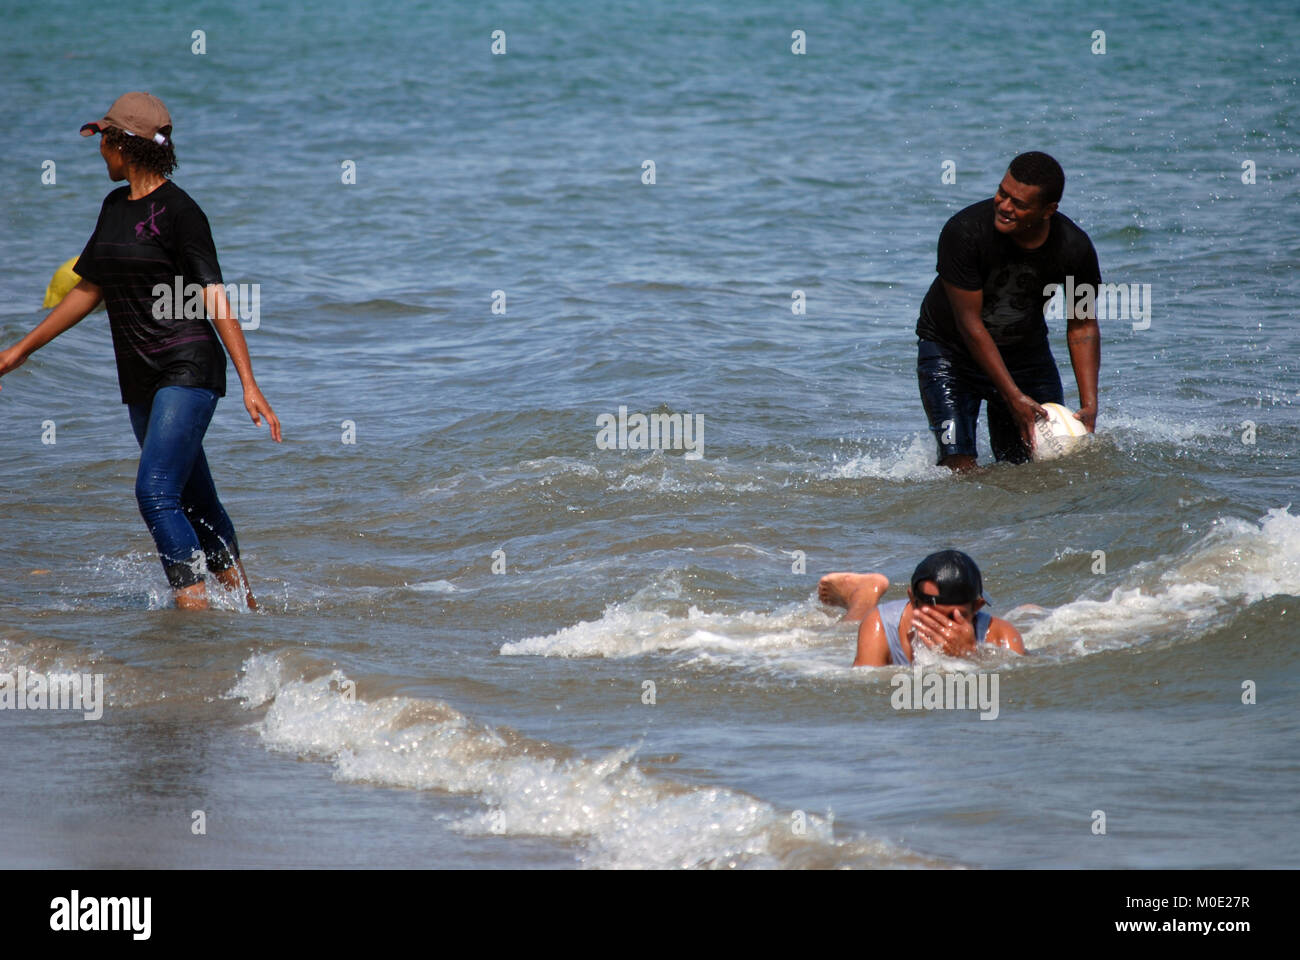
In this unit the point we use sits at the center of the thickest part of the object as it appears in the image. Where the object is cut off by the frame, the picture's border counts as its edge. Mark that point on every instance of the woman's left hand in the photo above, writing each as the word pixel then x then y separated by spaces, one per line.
pixel 11 360
pixel 257 408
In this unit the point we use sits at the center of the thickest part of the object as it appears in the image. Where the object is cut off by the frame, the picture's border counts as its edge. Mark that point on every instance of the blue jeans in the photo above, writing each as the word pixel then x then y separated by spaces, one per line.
pixel 953 386
pixel 174 486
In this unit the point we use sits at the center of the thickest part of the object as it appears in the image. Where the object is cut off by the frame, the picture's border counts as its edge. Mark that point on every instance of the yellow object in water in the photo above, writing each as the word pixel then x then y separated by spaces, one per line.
pixel 61 284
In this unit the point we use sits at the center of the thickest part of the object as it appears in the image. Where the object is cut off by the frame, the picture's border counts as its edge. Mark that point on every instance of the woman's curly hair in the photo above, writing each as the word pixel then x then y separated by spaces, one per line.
pixel 143 153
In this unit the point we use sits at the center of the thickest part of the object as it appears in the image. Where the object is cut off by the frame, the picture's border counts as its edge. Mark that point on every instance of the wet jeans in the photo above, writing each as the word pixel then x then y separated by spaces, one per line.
pixel 953 385
pixel 174 486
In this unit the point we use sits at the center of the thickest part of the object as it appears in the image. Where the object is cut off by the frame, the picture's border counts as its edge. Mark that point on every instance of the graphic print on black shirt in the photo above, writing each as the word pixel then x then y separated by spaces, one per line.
pixel 137 245
pixel 974 255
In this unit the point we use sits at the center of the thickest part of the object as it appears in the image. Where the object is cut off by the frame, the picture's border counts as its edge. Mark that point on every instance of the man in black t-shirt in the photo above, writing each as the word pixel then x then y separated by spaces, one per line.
pixel 982 332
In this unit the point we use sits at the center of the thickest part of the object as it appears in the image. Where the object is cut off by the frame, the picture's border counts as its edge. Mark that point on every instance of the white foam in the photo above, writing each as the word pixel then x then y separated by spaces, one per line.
pixel 912 460
pixel 259 682
pixel 667 483
pixel 630 630
pixel 615 813
pixel 553 467
pixel 1236 562
pixel 433 586
pixel 1132 428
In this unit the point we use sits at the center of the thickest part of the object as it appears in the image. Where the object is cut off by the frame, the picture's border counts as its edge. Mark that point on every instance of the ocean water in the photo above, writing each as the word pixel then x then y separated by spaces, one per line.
pixel 398 702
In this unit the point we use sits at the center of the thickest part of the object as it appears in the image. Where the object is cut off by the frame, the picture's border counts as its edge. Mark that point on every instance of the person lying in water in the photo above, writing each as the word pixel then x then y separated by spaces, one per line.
pixel 942 610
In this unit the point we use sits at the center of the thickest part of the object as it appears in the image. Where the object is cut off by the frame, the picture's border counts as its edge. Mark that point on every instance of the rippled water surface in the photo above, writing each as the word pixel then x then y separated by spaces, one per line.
pixel 398 702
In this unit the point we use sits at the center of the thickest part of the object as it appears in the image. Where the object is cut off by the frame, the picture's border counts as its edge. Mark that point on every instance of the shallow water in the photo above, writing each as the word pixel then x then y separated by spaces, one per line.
pixel 398 703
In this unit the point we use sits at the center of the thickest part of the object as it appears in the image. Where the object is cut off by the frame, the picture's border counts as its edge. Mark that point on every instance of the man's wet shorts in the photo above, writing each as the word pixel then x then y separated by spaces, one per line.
pixel 952 387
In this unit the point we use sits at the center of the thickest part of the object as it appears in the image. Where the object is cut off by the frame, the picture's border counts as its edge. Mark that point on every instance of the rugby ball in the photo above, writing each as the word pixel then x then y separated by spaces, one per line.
pixel 1058 434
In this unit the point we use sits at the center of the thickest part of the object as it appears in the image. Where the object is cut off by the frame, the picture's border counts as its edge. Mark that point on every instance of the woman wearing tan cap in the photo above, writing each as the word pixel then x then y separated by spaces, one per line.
pixel 171 369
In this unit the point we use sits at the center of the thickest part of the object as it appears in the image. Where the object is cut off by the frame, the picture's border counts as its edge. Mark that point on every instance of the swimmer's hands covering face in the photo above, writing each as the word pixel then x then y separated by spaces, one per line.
pixel 955 637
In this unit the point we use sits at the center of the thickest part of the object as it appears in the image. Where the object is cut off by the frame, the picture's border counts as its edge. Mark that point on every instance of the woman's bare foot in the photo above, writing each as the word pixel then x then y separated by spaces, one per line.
pixel 193 597
pixel 856 592
pixel 234 578
pixel 959 463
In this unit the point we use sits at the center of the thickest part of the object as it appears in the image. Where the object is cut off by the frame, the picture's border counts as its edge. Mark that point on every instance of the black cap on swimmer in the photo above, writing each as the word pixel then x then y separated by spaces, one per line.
pixel 954 573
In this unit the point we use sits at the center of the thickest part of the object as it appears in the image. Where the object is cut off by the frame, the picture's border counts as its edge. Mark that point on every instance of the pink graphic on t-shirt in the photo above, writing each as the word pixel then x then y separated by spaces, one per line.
pixel 153 227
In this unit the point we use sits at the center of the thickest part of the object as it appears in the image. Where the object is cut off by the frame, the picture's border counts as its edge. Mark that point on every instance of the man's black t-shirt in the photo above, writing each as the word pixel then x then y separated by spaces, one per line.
pixel 137 245
pixel 973 255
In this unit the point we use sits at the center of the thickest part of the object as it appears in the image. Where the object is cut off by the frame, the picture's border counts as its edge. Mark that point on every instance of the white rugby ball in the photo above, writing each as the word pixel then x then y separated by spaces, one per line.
pixel 1058 434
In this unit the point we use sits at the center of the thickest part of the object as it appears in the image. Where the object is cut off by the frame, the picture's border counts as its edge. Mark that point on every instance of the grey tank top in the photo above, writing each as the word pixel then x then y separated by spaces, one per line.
pixel 892 612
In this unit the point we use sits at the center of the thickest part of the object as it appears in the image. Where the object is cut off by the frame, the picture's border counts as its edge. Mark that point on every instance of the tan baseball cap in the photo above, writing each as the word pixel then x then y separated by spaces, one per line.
pixel 139 114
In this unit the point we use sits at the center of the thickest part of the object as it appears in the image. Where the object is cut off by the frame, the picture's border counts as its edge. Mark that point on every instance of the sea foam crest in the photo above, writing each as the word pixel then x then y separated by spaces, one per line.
pixel 630 630
pixel 911 460
pixel 1235 562
pixel 616 814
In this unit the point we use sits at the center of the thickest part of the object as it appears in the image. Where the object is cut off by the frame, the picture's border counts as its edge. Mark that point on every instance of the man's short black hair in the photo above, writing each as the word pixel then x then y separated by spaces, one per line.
pixel 1037 169
pixel 954 573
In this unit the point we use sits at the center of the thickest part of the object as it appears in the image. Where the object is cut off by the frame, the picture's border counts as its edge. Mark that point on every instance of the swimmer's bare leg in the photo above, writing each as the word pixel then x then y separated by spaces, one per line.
pixel 959 463
pixel 234 578
pixel 858 593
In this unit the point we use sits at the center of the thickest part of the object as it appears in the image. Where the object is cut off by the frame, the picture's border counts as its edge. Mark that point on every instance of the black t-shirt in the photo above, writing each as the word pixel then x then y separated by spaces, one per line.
pixel 137 245
pixel 973 255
